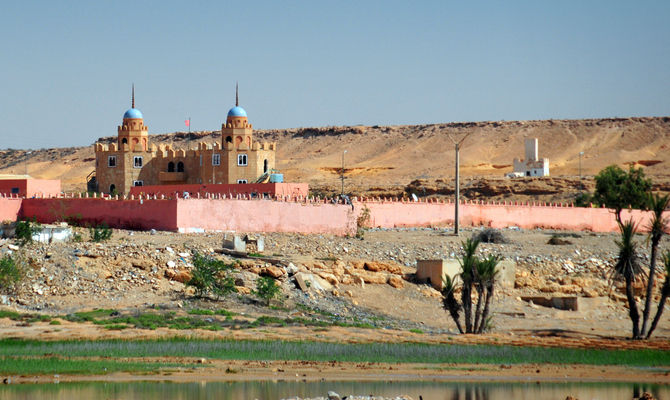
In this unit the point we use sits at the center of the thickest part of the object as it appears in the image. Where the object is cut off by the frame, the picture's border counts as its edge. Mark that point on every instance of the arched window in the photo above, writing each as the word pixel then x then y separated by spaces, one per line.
pixel 112 189
pixel 265 166
pixel 229 139
pixel 124 141
pixel 180 166
pixel 170 166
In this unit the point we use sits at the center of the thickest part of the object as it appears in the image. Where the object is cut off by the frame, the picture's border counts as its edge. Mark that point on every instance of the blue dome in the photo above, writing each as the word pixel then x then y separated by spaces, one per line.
pixel 237 111
pixel 132 113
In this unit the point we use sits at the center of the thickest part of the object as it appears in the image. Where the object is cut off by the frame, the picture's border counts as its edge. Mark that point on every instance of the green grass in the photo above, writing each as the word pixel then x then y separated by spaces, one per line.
pixel 51 365
pixel 322 351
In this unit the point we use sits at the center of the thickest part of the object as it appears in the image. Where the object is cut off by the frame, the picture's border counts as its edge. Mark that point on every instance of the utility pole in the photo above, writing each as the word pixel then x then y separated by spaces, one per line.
pixel 26 162
pixel 342 174
pixel 581 185
pixel 457 191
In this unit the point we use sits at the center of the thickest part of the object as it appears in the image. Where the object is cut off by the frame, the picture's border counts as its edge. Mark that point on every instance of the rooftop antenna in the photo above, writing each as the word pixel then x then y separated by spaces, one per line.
pixel 133 101
pixel 237 99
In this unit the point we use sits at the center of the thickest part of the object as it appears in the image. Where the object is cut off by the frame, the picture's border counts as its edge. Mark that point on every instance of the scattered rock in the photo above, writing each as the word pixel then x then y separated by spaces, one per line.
pixel 395 282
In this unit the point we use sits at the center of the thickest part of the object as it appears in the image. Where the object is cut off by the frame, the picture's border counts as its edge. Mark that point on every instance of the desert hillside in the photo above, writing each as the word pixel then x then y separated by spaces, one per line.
pixel 390 159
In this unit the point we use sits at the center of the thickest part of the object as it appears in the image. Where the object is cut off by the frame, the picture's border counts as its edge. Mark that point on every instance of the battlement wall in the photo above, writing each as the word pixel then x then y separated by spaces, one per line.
pixel 312 215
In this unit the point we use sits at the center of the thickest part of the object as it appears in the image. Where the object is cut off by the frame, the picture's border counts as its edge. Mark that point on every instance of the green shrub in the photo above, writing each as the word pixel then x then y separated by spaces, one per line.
pixel 77 238
pixel 362 222
pixel 211 276
pixel 11 273
pixel 100 233
pixel 25 230
pixel 266 289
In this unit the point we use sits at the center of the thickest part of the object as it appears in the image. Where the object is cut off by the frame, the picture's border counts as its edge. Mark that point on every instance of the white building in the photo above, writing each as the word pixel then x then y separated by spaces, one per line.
pixel 532 165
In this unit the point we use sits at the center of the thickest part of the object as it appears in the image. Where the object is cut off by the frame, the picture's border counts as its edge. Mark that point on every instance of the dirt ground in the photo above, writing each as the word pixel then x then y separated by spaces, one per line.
pixel 215 370
pixel 71 277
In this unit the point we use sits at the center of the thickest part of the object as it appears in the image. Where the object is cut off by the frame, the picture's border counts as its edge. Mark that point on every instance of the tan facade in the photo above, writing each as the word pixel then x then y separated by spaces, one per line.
pixel 134 161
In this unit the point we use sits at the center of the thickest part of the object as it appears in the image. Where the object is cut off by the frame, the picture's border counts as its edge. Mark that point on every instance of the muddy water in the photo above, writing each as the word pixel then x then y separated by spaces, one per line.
pixel 273 390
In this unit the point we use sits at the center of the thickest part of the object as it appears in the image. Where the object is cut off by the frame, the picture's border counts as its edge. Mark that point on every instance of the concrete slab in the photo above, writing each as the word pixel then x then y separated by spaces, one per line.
pixel 568 303
pixel 434 271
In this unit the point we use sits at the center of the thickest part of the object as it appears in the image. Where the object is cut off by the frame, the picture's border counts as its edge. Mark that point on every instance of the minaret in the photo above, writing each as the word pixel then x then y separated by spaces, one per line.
pixel 237 131
pixel 133 135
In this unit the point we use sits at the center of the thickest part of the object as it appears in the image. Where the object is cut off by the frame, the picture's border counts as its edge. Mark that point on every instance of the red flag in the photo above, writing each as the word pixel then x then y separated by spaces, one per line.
pixel 188 122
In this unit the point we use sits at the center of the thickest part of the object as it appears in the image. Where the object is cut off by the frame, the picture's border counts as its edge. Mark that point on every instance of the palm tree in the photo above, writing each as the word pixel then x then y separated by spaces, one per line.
pixel 468 277
pixel 628 268
pixel 658 226
pixel 665 293
pixel 450 303
pixel 488 275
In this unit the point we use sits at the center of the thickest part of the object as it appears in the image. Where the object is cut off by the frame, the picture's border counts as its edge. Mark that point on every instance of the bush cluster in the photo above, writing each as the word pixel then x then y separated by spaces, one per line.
pixel 211 276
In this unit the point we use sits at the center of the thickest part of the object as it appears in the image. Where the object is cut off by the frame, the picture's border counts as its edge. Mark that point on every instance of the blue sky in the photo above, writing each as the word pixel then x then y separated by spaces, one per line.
pixel 67 67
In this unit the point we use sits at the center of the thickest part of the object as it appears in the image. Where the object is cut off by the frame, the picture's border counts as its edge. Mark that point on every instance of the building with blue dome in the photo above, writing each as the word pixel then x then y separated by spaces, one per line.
pixel 133 161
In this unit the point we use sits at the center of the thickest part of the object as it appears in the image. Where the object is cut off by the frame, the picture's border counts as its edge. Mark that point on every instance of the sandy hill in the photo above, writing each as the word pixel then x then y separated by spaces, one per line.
pixel 386 159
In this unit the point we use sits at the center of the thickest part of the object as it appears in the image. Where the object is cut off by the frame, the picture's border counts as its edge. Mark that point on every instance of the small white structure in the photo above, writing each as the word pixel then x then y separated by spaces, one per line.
pixel 532 165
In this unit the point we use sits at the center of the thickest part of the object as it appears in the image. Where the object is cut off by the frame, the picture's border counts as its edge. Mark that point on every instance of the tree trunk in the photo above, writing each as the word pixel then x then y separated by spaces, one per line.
pixel 650 285
pixel 467 306
pixel 661 305
pixel 485 314
pixel 632 307
pixel 478 308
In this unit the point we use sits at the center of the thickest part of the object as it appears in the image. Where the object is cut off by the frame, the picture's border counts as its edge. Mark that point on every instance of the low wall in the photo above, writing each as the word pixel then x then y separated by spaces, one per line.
pixel 390 214
pixel 123 214
pixel 259 215
pixel 265 216
pixel 9 209
pixel 230 190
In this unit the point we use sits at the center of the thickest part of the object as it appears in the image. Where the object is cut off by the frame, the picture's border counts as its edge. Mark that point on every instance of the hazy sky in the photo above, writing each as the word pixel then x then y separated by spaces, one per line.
pixel 67 67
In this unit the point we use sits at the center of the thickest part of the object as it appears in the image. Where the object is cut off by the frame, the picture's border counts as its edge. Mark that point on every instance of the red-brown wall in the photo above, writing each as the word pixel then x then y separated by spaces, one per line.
pixel 230 190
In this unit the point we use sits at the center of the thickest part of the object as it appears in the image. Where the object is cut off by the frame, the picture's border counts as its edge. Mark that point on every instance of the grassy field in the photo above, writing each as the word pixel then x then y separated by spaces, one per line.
pixel 18 356
pixel 52 365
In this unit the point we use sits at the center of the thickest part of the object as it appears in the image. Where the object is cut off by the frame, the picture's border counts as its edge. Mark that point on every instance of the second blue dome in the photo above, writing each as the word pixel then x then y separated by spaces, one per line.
pixel 237 111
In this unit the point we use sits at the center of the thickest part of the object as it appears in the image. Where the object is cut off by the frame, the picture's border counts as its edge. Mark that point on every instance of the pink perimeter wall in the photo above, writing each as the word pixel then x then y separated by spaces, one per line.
pixel 9 209
pixel 265 216
pixel 230 190
pixel 259 215
pixel 401 214
pixel 124 214
pixel 31 187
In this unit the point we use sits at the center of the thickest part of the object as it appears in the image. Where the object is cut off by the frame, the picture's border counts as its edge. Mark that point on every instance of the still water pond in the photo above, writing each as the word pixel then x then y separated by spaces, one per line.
pixel 269 390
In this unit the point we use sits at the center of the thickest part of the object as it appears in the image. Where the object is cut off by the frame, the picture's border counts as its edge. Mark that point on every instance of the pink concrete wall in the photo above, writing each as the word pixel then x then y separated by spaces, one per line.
pixel 265 216
pixel 399 214
pixel 306 217
pixel 9 209
pixel 43 187
pixel 230 190
pixel 31 187
pixel 127 214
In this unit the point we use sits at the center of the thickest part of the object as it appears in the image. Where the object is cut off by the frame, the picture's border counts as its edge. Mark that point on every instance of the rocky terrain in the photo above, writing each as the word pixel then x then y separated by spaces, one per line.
pixel 392 160
pixel 365 282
